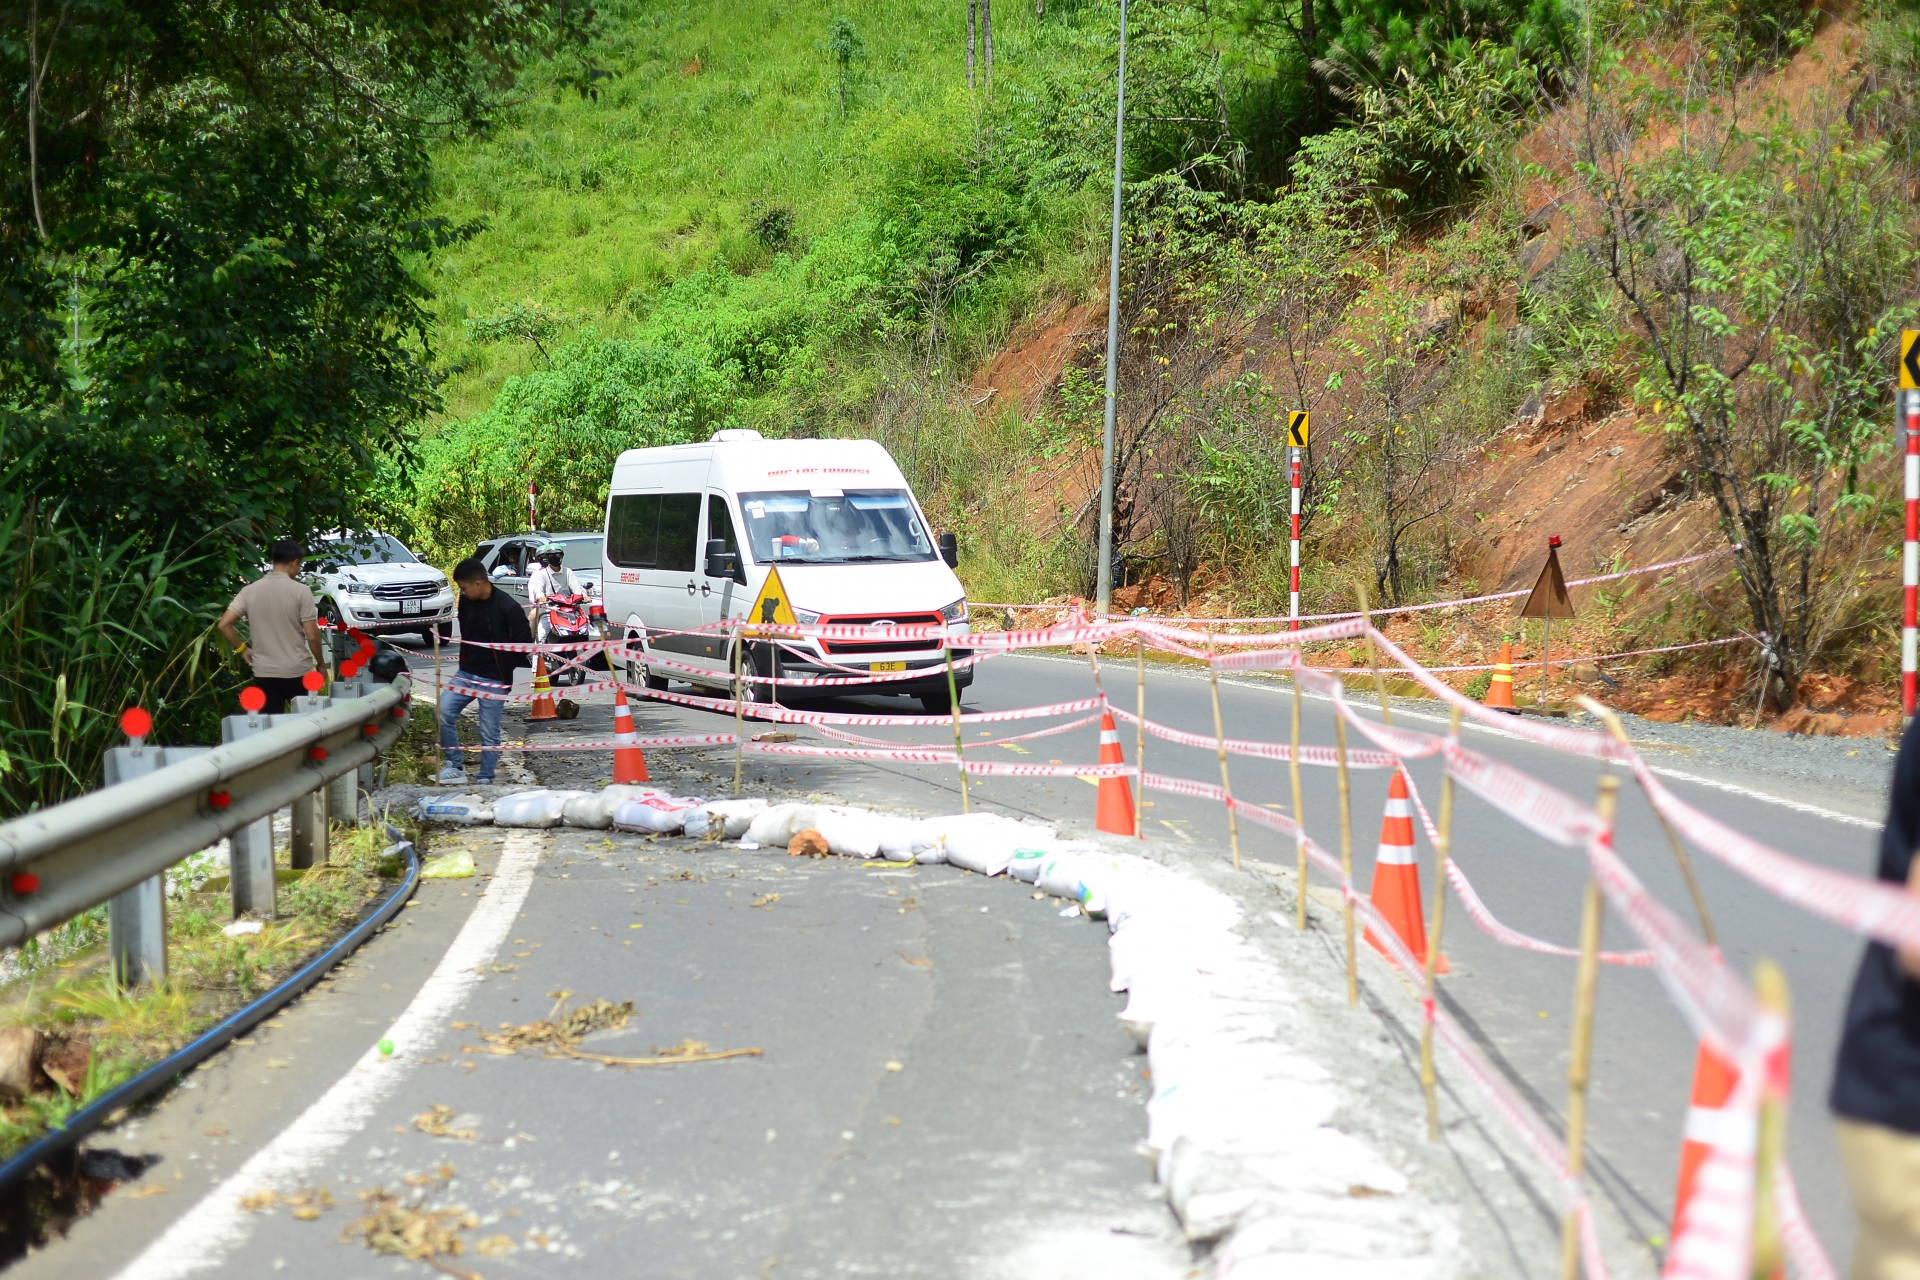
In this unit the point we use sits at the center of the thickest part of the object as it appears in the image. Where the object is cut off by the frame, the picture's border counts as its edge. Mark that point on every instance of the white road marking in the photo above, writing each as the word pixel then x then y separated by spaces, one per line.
pixel 204 1236
pixel 1801 806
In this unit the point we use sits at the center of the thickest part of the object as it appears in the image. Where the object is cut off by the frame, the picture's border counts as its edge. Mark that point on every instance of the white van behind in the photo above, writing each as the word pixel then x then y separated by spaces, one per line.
pixel 836 516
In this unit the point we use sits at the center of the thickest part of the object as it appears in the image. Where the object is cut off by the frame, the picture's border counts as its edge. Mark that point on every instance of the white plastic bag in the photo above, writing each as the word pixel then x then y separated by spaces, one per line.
pixel 901 839
pixel 466 810
pixel 594 809
pixel 655 813
pixel 1059 875
pixel 778 825
pixel 542 808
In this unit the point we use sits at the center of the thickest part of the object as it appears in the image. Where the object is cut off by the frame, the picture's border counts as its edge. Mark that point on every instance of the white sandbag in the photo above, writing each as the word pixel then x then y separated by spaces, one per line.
pixel 465 810
pixel 541 808
pixel 657 813
pixel 851 835
pixel 593 810
pixel 1025 864
pixel 1059 875
pixel 933 853
pixel 731 817
pixel 985 849
pixel 778 825
pixel 902 839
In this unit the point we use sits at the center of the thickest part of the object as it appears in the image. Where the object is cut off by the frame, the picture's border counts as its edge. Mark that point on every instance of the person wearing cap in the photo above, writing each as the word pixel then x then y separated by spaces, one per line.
pixel 485 675
pixel 550 577
pixel 283 627
pixel 1876 1082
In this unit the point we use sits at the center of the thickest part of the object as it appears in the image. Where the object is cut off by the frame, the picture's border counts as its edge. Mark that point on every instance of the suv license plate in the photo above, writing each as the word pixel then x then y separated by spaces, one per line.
pixel 887 666
pixel 409 606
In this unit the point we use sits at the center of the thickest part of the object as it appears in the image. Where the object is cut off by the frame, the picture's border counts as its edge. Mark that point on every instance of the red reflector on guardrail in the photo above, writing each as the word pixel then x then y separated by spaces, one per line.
pixel 370 729
pixel 219 799
pixel 25 882
pixel 317 753
pixel 399 713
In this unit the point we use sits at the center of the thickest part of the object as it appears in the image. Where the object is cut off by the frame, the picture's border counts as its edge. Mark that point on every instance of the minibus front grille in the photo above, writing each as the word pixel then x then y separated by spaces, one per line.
pixel 849 647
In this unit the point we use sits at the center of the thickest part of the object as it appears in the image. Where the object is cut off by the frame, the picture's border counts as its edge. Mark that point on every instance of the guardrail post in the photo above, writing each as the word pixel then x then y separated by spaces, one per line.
pixel 310 810
pixel 344 800
pixel 137 917
pixel 250 849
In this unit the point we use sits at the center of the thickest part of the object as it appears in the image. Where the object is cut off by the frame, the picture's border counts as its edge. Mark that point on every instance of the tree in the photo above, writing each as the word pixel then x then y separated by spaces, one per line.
pixel 845 47
pixel 1762 262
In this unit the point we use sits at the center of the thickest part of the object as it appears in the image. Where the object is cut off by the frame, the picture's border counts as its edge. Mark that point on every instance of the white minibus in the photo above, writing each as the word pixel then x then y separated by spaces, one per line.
pixel 692 530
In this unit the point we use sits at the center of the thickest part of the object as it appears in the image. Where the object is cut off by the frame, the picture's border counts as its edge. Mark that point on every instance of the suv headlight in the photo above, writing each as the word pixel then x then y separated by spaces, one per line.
pixel 955 612
pixel 357 588
pixel 805 617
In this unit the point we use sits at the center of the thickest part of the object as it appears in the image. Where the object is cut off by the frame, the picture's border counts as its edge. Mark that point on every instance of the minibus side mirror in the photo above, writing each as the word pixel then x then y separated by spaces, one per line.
pixel 722 563
pixel 950 550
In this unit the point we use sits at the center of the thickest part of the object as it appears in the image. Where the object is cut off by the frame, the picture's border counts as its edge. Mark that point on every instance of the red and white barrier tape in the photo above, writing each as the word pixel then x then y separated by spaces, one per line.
pixel 863 741
pixel 1325 757
pixel 1405 608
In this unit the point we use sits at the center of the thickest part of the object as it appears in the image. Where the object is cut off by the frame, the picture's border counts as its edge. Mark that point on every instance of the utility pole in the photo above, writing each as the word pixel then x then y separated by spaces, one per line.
pixel 1104 592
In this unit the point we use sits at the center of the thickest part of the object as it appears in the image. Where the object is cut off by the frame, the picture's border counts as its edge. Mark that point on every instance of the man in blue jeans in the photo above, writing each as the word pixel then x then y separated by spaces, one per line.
pixel 485 675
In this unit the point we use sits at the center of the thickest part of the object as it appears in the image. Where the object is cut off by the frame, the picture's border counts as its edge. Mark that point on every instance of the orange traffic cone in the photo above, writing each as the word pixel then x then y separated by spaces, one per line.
pixel 1713 1081
pixel 543 708
pixel 1114 811
pixel 1396 878
pixel 629 765
pixel 1500 688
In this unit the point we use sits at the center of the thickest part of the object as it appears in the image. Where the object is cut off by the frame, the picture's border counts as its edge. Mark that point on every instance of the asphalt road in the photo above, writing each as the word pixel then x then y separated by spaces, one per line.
pixel 1017 1100
pixel 1517 1003
pixel 943 1089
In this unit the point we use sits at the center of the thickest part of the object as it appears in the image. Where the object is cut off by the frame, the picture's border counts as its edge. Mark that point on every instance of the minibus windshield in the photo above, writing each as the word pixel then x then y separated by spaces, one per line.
pixel 852 526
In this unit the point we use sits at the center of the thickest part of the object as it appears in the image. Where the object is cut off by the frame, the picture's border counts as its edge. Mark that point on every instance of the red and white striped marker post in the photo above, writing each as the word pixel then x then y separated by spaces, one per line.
pixel 1910 616
pixel 1298 424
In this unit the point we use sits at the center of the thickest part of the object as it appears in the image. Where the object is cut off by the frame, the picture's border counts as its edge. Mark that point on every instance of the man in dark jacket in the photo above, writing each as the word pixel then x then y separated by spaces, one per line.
pixel 485 675
pixel 1876 1083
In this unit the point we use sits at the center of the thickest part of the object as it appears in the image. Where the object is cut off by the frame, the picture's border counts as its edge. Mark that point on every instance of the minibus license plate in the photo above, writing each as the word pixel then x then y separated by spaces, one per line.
pixel 887 666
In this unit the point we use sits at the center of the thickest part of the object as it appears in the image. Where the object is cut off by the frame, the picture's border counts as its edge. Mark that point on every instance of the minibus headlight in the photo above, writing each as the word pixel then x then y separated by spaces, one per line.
pixel 805 617
pixel 955 612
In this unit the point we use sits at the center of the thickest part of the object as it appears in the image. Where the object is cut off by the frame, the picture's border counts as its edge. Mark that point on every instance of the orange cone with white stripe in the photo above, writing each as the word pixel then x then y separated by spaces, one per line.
pixel 1500 688
pixel 629 764
pixel 1114 810
pixel 1713 1081
pixel 543 708
pixel 1396 877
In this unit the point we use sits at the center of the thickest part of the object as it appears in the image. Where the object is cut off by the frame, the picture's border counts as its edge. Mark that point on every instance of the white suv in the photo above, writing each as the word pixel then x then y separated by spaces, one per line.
pixel 372 582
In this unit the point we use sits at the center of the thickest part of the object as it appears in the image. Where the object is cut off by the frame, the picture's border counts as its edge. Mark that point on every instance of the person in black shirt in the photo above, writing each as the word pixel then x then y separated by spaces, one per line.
pixel 485 675
pixel 1876 1082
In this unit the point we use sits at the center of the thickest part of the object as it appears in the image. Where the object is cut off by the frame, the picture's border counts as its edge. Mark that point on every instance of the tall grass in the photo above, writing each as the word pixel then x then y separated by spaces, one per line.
pixel 91 625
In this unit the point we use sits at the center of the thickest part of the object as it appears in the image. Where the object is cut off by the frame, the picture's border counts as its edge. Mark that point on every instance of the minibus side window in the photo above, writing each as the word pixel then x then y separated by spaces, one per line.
pixel 633 530
pixel 679 531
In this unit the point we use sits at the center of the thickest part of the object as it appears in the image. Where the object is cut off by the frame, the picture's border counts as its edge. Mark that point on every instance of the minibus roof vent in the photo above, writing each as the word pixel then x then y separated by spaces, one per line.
pixel 737 433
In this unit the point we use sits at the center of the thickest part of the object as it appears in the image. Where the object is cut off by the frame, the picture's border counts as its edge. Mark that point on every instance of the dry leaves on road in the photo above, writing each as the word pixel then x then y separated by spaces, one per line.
pixel 559 1034
pixel 765 900
pixel 435 1121
pixel 420 1235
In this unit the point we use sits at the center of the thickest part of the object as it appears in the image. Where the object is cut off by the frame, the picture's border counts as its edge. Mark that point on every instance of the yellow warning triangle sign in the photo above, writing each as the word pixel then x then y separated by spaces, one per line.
pixel 772 604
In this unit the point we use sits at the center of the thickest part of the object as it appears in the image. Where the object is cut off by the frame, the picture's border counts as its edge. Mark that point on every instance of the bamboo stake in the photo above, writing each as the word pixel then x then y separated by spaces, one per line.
pixel 1609 717
pixel 1770 987
pixel 1299 817
pixel 1442 848
pixel 1220 736
pixel 1373 658
pixel 959 745
pixel 1346 855
pixel 1546 656
pixel 436 697
pixel 739 706
pixel 1579 1063
pixel 1140 742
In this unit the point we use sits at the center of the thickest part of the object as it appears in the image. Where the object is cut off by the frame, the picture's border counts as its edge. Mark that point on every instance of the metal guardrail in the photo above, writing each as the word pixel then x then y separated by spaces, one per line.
pixel 116 843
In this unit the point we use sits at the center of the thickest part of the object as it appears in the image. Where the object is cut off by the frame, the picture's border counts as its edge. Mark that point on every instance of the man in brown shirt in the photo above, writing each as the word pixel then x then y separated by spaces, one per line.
pixel 283 625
